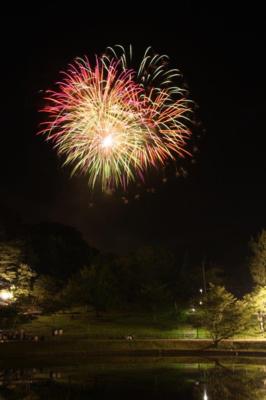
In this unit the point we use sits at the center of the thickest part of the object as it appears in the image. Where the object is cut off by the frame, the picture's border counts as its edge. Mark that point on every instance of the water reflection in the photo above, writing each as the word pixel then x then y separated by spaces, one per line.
pixel 207 380
pixel 225 381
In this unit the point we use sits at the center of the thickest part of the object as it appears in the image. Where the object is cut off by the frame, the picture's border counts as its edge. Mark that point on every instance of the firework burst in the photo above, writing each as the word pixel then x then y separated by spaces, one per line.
pixel 112 121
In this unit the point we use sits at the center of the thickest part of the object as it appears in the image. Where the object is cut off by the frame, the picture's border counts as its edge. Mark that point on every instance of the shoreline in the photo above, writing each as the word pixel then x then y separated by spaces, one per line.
pixel 86 349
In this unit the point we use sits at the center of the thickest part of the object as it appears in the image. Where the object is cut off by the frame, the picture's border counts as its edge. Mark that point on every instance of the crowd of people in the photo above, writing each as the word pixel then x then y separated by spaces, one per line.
pixel 21 335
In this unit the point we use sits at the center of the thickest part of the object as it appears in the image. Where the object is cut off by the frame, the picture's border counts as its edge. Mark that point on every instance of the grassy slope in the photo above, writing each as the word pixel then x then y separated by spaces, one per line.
pixel 117 325
pixel 84 334
pixel 112 326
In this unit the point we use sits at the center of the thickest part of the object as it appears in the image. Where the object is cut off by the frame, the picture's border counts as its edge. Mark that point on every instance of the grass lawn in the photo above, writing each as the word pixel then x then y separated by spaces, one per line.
pixel 112 326
pixel 81 324
pixel 84 335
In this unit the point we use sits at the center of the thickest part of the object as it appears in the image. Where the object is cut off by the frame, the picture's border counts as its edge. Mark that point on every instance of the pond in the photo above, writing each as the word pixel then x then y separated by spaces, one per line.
pixel 133 378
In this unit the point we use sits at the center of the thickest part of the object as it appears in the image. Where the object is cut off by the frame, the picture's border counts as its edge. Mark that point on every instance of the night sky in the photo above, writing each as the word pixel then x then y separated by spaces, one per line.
pixel 215 210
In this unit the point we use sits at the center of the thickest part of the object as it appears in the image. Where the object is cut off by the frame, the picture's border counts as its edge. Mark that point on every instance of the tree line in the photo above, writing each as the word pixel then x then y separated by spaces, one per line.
pixel 51 267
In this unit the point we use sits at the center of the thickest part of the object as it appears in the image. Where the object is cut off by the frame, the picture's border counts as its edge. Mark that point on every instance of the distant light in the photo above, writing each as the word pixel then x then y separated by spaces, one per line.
pixel 6 295
pixel 201 290
pixel 193 309
pixel 107 141
pixel 200 303
pixel 205 396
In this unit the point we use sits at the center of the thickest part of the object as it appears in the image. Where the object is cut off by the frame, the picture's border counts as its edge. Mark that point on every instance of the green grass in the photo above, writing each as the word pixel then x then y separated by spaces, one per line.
pixel 113 326
pixel 85 335
pixel 79 323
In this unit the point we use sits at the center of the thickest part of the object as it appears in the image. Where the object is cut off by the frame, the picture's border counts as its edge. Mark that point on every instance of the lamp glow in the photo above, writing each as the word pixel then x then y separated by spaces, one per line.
pixel 6 295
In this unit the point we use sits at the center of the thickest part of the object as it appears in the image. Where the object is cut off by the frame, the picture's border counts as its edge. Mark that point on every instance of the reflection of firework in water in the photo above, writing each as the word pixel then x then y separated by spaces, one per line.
pixel 113 122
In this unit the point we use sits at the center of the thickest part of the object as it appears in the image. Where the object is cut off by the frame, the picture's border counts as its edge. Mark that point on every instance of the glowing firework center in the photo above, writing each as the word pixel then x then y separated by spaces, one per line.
pixel 108 141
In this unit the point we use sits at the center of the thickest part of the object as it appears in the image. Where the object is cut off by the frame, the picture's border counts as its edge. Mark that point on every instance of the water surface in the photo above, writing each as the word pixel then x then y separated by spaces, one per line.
pixel 135 378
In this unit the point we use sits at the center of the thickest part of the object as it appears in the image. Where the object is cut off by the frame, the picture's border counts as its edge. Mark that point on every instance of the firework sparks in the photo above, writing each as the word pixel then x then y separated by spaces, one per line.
pixel 111 121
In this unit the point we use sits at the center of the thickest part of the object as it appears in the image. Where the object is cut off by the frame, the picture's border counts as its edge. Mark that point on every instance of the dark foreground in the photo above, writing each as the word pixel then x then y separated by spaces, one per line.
pixel 52 351
pixel 131 378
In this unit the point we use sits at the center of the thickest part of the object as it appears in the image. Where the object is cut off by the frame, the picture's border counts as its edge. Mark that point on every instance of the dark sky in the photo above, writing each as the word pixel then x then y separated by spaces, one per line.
pixel 221 203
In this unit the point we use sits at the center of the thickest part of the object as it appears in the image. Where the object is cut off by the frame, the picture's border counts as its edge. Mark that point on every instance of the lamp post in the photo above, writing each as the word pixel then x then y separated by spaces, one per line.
pixel 204 276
